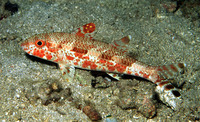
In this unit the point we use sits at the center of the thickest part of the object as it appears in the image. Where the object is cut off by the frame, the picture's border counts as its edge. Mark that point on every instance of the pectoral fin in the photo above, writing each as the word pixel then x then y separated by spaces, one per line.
pixel 68 72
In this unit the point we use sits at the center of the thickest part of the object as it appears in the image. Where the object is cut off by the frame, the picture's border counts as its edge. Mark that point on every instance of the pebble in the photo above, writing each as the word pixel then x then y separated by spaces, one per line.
pixel 141 100
pixel 110 119
pixel 91 113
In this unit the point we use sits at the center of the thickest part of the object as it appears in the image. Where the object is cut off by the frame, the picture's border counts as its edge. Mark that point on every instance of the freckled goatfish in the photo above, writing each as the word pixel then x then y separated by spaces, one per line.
pixel 79 49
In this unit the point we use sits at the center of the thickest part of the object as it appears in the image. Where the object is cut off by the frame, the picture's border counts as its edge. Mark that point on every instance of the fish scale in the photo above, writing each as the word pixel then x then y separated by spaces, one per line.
pixel 80 50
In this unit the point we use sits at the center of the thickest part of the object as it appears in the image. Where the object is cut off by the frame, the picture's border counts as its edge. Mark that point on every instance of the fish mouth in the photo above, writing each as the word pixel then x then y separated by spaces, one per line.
pixel 23 44
pixel 25 48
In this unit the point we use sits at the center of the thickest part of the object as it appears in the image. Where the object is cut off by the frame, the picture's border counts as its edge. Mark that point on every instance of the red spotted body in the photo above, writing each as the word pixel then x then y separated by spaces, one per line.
pixel 80 50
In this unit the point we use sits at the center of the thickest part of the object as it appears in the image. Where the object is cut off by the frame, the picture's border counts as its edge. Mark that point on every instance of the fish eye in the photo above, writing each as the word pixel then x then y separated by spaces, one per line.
pixel 39 43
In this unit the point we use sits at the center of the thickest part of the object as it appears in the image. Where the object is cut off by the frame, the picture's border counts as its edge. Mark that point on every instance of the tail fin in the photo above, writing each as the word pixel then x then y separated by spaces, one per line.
pixel 169 71
pixel 167 92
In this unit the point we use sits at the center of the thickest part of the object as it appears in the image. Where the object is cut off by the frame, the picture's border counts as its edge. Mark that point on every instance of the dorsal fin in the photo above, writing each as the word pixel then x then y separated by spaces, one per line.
pixel 86 30
pixel 122 43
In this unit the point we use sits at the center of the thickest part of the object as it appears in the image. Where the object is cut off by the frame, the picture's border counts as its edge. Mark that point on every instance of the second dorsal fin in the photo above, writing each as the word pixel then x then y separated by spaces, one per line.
pixel 122 43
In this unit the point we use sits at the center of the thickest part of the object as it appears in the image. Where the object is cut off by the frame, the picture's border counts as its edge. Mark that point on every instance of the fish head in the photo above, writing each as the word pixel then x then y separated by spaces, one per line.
pixel 41 45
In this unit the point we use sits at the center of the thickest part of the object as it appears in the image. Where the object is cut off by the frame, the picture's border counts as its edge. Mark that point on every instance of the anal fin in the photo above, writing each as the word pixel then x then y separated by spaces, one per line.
pixel 68 72
pixel 115 76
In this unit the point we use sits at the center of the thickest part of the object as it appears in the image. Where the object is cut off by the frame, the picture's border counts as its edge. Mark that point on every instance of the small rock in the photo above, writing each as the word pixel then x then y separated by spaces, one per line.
pixel 110 119
pixel 146 106
pixel 142 99
pixel 54 86
pixel 91 113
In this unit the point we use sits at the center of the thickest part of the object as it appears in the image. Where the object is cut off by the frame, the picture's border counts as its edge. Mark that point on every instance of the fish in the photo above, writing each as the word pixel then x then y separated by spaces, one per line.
pixel 80 50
